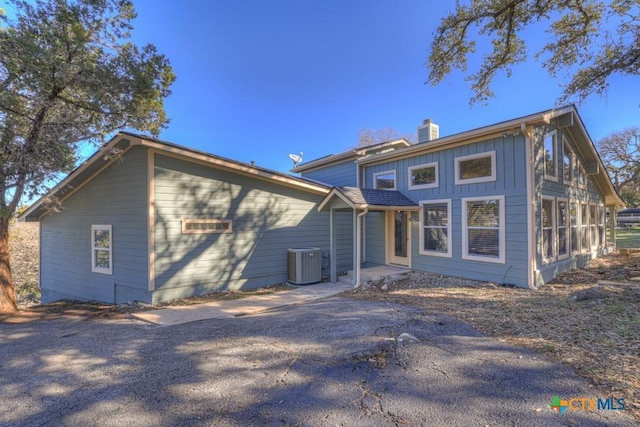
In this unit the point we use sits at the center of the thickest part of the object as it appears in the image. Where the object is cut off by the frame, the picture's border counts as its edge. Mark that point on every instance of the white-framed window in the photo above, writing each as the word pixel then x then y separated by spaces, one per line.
pixel 550 159
pixel 574 238
pixel 601 226
pixel 423 176
pixel 548 229
pixel 582 176
pixel 435 236
pixel 567 162
pixel 206 226
pixel 101 249
pixel 483 229
pixel 584 227
pixel 385 180
pixel 475 168
pixel 593 225
pixel 562 225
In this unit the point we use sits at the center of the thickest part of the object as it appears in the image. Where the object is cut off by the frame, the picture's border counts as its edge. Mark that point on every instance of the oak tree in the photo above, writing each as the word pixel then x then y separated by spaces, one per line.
pixel 589 41
pixel 620 153
pixel 69 74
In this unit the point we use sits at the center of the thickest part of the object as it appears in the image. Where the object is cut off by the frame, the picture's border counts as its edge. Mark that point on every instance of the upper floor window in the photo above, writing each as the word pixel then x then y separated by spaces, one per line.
pixel 582 176
pixel 101 249
pixel 567 163
pixel 385 180
pixel 423 176
pixel 475 168
pixel 550 160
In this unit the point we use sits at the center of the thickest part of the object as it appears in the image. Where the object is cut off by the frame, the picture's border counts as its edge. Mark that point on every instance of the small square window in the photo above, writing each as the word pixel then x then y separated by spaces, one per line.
pixel 385 180
pixel 423 176
pixel 475 168
pixel 101 249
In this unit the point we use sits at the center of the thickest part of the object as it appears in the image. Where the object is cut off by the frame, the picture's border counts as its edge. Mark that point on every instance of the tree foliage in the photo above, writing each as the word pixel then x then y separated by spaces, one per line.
pixel 368 137
pixel 68 74
pixel 590 41
pixel 620 153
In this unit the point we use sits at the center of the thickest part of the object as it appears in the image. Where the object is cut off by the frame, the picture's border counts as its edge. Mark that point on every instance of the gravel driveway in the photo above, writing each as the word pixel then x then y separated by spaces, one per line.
pixel 330 362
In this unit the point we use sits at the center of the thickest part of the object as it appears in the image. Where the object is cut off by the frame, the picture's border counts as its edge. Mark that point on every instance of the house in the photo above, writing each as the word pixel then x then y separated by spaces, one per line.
pixel 147 220
pixel 516 202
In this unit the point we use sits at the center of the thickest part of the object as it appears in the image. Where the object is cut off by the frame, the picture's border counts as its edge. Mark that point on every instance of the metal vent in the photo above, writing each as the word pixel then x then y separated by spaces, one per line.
pixel 304 266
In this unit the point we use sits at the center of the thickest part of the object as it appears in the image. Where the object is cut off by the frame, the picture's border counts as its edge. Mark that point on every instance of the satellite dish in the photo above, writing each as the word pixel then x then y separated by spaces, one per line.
pixel 296 158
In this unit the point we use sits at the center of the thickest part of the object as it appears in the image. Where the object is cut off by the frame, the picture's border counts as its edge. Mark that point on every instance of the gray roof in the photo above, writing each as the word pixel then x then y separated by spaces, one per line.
pixel 369 196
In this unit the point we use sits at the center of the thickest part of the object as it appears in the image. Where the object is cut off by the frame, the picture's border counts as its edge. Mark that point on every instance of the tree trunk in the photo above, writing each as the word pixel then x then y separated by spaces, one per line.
pixel 7 293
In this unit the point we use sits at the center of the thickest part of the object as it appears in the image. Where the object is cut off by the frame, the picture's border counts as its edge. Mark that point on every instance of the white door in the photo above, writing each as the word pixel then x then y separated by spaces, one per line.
pixel 398 238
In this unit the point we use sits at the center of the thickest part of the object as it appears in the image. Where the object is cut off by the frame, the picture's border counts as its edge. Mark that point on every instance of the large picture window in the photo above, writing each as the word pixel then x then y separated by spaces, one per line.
pixel 435 238
pixel 584 227
pixel 548 229
pixel 562 226
pixel 593 225
pixel 575 231
pixel 483 229
pixel 423 176
pixel 101 249
pixel 475 168
pixel 601 227
pixel 550 159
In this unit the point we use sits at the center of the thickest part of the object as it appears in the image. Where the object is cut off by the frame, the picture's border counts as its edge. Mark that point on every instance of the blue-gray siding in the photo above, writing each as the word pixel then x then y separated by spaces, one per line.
pixel 341 174
pixel 267 220
pixel 510 182
pixel 117 196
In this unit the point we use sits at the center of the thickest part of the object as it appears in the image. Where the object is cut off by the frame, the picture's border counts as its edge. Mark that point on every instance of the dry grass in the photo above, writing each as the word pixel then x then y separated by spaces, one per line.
pixel 593 328
pixel 25 254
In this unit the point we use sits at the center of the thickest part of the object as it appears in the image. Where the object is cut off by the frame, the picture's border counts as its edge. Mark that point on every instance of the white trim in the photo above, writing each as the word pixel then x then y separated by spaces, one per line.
pixel 94 268
pixel 554 252
pixel 593 228
pixel 582 226
pixel 421 249
pixel 434 184
pixel 554 139
pixel 501 230
pixel 532 265
pixel 390 257
pixel 488 178
pixel 187 222
pixel 151 219
pixel 387 172
pixel 567 227
pixel 577 228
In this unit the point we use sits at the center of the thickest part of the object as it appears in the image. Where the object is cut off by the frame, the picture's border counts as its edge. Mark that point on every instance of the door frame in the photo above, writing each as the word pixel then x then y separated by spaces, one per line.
pixel 389 233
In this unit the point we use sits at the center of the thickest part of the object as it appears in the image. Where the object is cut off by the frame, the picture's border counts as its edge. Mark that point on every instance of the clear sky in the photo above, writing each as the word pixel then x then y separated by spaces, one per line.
pixel 257 80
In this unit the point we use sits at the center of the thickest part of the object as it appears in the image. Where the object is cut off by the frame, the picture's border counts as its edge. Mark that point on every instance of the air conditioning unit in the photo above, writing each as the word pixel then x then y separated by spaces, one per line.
pixel 304 266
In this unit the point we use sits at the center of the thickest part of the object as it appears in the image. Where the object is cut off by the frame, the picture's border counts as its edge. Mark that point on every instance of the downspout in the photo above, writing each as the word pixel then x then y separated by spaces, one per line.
pixel 358 245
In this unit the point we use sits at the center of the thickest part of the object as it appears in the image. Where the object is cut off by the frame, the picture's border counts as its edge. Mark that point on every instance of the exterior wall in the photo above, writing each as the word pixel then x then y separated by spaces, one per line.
pixel 572 192
pixel 341 174
pixel 375 238
pixel 344 241
pixel 267 219
pixel 510 182
pixel 117 196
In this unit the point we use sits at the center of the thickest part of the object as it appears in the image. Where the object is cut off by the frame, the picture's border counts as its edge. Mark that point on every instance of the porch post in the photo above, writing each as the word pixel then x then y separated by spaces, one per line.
pixel 612 226
pixel 333 256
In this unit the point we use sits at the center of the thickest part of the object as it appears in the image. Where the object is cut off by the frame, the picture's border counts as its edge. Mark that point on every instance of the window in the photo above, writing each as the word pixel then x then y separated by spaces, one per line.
pixel 582 176
pixel 593 225
pixel 601 227
pixel 423 176
pixel 567 163
pixel 562 222
pixel 548 229
pixel 550 150
pixel 436 232
pixel 573 221
pixel 101 249
pixel 385 180
pixel 483 229
pixel 584 226
pixel 475 168
pixel 206 226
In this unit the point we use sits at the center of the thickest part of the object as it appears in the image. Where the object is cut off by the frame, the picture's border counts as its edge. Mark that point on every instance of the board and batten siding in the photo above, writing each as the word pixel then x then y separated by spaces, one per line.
pixel 559 189
pixel 341 174
pixel 267 219
pixel 118 197
pixel 510 182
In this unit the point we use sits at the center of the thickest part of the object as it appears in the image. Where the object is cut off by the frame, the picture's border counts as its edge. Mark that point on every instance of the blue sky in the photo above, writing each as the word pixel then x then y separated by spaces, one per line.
pixel 257 80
